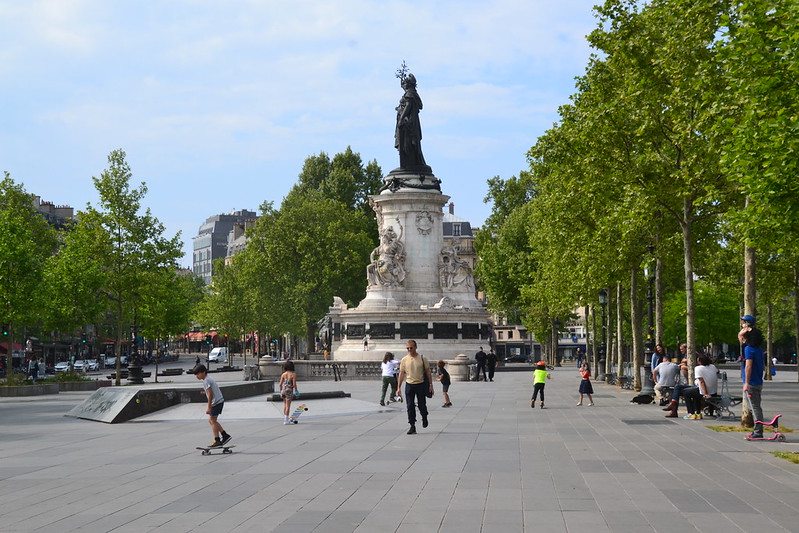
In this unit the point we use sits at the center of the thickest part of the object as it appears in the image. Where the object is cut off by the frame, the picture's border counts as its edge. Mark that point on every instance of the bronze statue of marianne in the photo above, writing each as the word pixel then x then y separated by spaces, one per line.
pixel 408 133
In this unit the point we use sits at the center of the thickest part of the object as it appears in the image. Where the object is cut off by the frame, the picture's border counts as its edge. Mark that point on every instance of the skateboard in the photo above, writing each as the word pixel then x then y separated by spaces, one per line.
pixel 775 423
pixel 208 449
pixel 297 412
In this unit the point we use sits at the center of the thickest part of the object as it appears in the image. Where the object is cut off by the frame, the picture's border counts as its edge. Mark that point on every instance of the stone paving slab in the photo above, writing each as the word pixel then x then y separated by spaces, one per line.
pixel 489 463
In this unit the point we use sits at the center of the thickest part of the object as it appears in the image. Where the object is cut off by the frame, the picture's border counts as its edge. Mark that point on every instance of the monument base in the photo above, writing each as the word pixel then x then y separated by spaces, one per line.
pixel 439 333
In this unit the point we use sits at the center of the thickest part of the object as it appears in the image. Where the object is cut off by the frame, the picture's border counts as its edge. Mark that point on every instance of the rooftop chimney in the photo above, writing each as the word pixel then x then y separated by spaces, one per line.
pixel 452 208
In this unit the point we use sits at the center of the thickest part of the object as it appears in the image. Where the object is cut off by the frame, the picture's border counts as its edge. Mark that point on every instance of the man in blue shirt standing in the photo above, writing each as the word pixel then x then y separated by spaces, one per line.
pixel 752 369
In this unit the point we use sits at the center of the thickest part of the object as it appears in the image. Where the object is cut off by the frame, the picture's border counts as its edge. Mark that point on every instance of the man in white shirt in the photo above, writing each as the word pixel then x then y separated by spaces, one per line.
pixel 706 382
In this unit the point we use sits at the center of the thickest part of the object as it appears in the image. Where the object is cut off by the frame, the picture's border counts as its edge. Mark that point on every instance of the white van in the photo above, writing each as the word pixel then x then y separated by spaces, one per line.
pixel 218 355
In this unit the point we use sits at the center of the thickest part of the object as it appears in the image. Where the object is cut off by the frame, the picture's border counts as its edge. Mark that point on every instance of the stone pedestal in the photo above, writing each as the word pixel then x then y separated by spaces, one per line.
pixel 417 288
pixel 459 368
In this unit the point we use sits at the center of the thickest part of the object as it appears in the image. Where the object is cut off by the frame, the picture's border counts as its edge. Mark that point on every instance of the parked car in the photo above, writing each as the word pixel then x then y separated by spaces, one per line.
pixel 110 361
pixel 517 359
pixel 62 366
pixel 79 365
pixel 218 355
pixel 92 365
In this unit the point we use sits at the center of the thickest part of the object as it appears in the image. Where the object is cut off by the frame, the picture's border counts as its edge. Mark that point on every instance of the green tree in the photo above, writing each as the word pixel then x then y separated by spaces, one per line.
pixel 135 245
pixel 75 276
pixel 227 305
pixel 717 313
pixel 167 302
pixel 27 243
pixel 344 178
pixel 755 127
pixel 314 248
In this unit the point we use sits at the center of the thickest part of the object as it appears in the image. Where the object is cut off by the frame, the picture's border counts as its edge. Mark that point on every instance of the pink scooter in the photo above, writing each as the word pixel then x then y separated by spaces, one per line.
pixel 775 423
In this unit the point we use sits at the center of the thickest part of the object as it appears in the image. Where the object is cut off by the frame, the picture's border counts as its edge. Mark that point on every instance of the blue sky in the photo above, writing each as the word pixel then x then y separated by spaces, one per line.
pixel 217 104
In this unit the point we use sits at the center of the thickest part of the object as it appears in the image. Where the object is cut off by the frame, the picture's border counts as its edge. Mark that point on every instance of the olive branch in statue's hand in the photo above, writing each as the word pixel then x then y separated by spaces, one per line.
pixel 402 72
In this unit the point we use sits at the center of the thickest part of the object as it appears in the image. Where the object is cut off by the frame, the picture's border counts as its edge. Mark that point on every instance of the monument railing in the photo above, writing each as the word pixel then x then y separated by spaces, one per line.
pixel 310 370
pixel 322 370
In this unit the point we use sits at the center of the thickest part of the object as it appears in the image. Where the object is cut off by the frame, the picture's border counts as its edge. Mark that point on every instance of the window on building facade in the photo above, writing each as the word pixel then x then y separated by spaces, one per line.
pixel 456 230
pixel 510 334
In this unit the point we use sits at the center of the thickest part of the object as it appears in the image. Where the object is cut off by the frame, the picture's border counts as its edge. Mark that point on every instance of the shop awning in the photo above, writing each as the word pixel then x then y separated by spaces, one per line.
pixel 199 336
pixel 4 347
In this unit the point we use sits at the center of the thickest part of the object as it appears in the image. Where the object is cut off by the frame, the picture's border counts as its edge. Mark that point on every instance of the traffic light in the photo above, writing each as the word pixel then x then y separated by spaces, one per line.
pixel 5 330
pixel 208 339
pixel 83 338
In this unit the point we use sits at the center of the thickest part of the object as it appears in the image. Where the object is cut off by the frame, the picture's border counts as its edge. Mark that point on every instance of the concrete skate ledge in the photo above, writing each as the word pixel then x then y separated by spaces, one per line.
pixel 120 404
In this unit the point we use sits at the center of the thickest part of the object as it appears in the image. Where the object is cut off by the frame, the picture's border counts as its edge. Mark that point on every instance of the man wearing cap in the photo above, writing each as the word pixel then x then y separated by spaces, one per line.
pixel 752 368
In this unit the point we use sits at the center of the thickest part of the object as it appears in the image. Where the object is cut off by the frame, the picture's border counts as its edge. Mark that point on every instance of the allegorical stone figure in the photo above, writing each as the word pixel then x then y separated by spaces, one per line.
pixel 408 133
pixel 387 267
pixel 453 270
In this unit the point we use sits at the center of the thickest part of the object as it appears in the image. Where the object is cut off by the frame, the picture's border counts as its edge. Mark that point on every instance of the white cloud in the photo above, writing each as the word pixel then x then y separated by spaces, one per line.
pixel 195 88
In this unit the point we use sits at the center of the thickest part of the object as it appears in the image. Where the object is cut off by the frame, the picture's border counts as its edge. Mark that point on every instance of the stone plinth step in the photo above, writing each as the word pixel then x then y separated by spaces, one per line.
pixel 319 395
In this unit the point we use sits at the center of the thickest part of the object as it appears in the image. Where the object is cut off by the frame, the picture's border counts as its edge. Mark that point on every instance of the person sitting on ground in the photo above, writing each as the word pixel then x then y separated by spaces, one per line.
pixel 665 375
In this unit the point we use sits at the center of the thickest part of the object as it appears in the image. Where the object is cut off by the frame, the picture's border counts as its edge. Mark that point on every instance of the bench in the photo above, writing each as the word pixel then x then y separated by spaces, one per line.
pixel 171 372
pixel 124 375
pixel 719 404
pixel 626 382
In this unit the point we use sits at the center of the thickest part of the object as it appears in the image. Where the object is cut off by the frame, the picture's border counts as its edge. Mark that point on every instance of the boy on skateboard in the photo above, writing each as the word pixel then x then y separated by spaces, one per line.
pixel 215 404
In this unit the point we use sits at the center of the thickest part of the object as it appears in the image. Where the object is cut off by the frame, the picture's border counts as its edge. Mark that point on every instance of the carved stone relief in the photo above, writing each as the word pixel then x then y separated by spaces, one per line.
pixel 424 223
pixel 387 261
pixel 452 270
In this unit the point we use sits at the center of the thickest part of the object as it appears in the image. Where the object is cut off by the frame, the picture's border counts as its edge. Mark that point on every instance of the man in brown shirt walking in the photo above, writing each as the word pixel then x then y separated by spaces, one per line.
pixel 414 368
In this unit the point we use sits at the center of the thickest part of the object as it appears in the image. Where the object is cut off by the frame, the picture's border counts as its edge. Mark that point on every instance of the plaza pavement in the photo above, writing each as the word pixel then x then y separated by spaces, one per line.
pixel 488 464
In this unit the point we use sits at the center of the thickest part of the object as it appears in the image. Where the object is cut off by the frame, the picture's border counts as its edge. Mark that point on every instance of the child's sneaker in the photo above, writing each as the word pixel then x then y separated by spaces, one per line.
pixel 532 404
pixel 225 439
pixel 542 405
pixel 216 444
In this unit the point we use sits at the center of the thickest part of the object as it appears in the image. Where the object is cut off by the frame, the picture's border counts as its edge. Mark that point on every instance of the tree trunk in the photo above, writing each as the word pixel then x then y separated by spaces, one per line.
pixel 609 351
pixel 310 330
pixel 636 325
pixel 769 339
pixel 11 377
pixel 118 347
pixel 750 308
pixel 594 354
pixel 690 307
pixel 619 329
pixel 796 317
pixel 658 300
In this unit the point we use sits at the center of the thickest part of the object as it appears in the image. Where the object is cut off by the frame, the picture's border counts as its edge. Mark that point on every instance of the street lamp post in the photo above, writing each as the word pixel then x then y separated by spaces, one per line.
pixel 555 342
pixel 603 302
pixel 649 272
pixel 134 366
